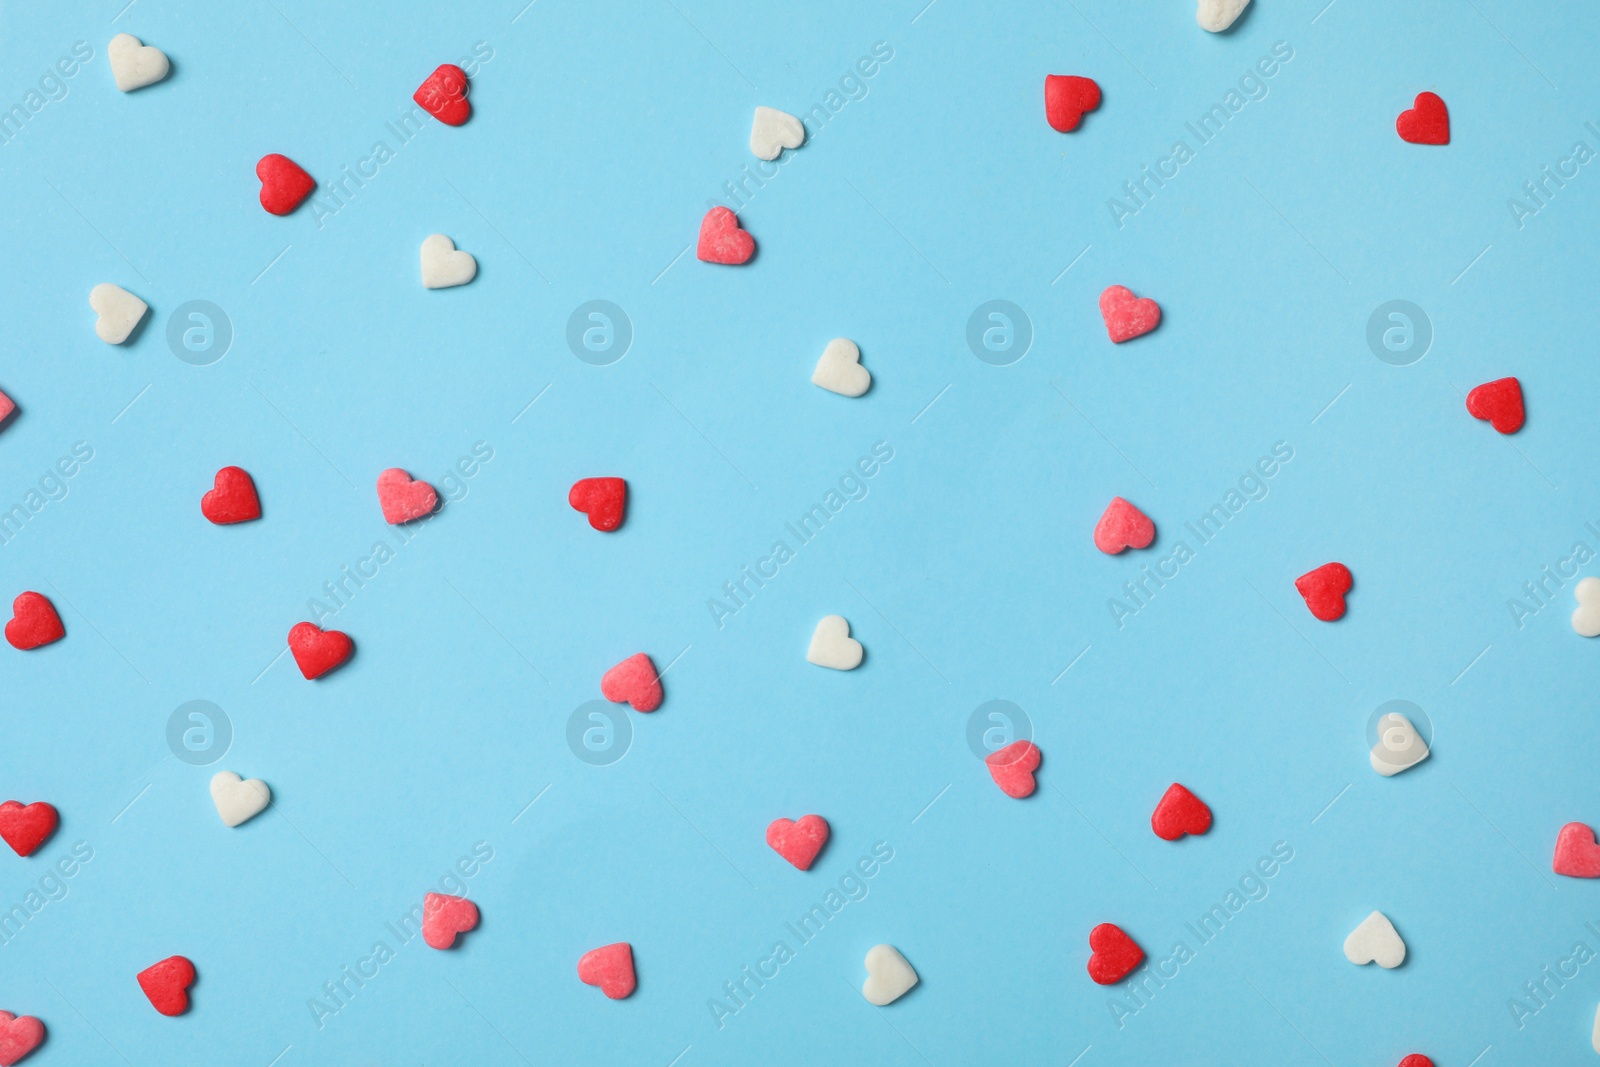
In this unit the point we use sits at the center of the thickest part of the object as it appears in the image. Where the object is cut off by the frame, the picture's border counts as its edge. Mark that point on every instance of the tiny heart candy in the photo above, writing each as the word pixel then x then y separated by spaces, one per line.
pixel 26 827
pixel 1427 122
pixel 1128 316
pixel 840 370
pixel 1113 954
pixel 317 651
pixel 1067 97
pixel 445 916
pixel 119 312
pixel 798 842
pixel 1012 768
pixel 1499 403
pixel 167 984
pixel 443 94
pixel 404 498
pixel 443 265
pixel 1123 526
pixel 1323 590
pixel 34 622
pixel 1375 941
pixel 1577 854
pixel 833 647
pixel 232 498
pixel 1214 16
pixel 284 185
pixel 889 976
pixel 1399 746
pixel 1586 616
pixel 602 499
pixel 7 406
pixel 772 131
pixel 238 800
pixel 633 681
pixel 609 967
pixel 721 239
pixel 1417 1059
pixel 19 1035
pixel 1179 812
pixel 135 64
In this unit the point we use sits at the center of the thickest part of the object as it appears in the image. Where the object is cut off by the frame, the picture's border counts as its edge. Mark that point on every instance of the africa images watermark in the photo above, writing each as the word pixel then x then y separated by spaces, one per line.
pixel 1541 591
pixel 52 87
pixel 51 486
pixel 1538 192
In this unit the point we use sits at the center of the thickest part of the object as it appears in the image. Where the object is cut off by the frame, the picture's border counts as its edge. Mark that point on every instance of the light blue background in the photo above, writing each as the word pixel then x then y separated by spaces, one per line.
pixel 601 130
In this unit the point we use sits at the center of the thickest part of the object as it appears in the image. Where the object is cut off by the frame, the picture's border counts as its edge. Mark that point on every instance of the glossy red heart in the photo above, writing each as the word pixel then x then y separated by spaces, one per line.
pixel 443 94
pixel 26 827
pixel 1128 316
pixel 1113 954
pixel 1067 97
pixel 1427 122
pixel 721 239
pixel 1499 403
pixel 1324 590
pixel 445 916
pixel 403 497
pixel 167 984
pixel 19 1035
pixel 284 185
pixel 1577 854
pixel 1179 812
pixel 317 651
pixel 798 841
pixel 34 622
pixel 1123 526
pixel 1416 1059
pixel 610 968
pixel 602 499
pixel 1012 768
pixel 633 681
pixel 232 498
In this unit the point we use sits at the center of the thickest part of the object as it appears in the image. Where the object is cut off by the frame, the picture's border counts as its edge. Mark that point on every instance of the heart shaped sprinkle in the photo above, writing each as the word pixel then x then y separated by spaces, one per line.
pixel 798 841
pixel 445 916
pixel 1012 768
pixel 443 94
pixel 1417 1059
pixel 1112 954
pixel 167 984
pixel 1128 316
pixel 119 312
pixel 27 826
pixel 889 976
pixel 1399 745
pixel 1427 122
pixel 1123 526
pixel 1586 617
pixel 832 646
pixel 840 370
pixel 604 500
pixel 721 239
pixel 1215 16
pixel 7 406
pixel 19 1035
pixel 773 131
pixel 1499 403
pixel 135 64
pixel 404 498
pixel 443 266
pixel 611 968
pixel 232 498
pixel 284 185
pixel 1179 812
pixel 633 681
pixel 1375 941
pixel 1067 98
pixel 34 622
pixel 238 800
pixel 317 651
pixel 1324 588
pixel 1577 854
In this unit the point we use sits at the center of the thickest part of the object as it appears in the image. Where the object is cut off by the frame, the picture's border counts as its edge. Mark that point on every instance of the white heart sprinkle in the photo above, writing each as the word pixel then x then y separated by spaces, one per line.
pixel 840 370
pixel 773 131
pixel 832 646
pixel 238 800
pixel 1218 15
pixel 119 311
pixel 1399 746
pixel 889 976
pixel 443 266
pixel 1375 941
pixel 1586 620
pixel 134 64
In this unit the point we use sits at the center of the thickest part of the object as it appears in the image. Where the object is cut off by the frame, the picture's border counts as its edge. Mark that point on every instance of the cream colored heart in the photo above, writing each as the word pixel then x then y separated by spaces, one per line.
pixel 773 131
pixel 889 976
pixel 119 311
pixel 134 64
pixel 1586 619
pixel 832 646
pixel 443 266
pixel 1217 15
pixel 840 370
pixel 1399 746
pixel 1375 941
pixel 238 800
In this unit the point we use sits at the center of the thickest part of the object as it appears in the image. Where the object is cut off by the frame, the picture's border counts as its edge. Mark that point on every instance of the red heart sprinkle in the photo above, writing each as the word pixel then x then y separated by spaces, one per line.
pixel 19 1035
pixel 633 681
pixel 317 651
pixel 232 499
pixel 25 828
pixel 1416 1059
pixel 1012 768
pixel 34 622
pixel 1123 526
pixel 167 984
pixel 1499 403
pixel 1179 812
pixel 283 184
pixel 1066 98
pixel 404 498
pixel 1324 590
pixel 798 842
pixel 443 94
pixel 1577 854
pixel 610 968
pixel 444 916
pixel 602 499
pixel 1428 121
pixel 1114 954
pixel 721 239
pixel 1128 316
pixel 7 406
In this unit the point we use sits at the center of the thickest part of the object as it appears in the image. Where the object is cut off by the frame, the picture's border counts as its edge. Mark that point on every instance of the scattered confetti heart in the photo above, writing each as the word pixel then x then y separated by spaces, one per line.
pixel 1427 122
pixel 443 94
pixel 404 498
pixel 1215 16
pixel 1399 745
pixel 284 185
pixel 232 498
pixel 832 646
pixel 238 800
pixel 167 984
pixel 1179 812
pixel 1586 619
pixel 1416 1059
pixel 1323 590
pixel 1499 403
pixel 1012 768
pixel 443 266
pixel 1112 954
pixel 889 976
pixel 34 622
pixel 445 916
pixel 19 1035
pixel 7 406
pixel 798 841
pixel 721 239
pixel 135 64
pixel 773 131
pixel 317 651
pixel 1375 941
pixel 633 681
pixel 609 967
pixel 1128 316
pixel 840 370
pixel 1067 97
pixel 1123 526
pixel 602 499
pixel 1577 854
pixel 119 312
pixel 27 826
